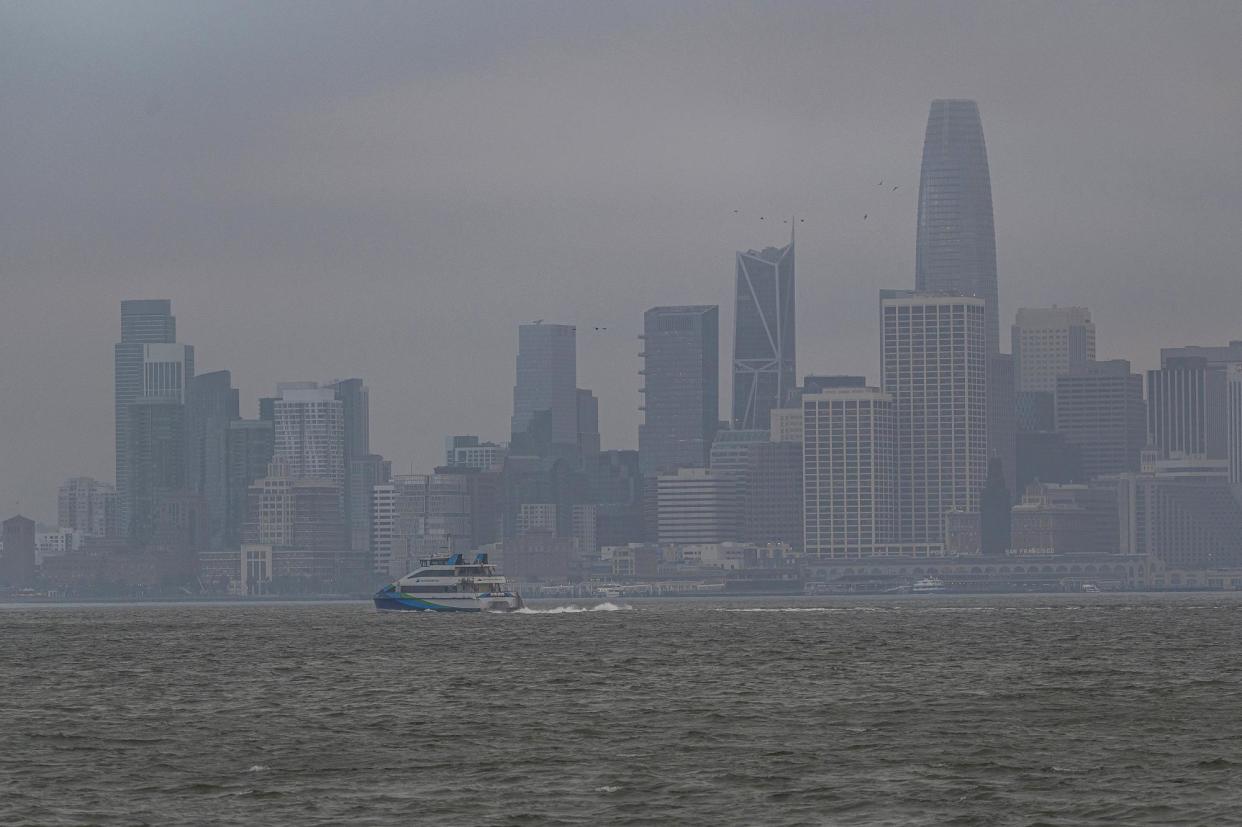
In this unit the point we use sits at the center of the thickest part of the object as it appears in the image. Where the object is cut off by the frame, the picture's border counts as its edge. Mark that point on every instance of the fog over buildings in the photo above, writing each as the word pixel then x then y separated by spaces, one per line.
pixel 388 191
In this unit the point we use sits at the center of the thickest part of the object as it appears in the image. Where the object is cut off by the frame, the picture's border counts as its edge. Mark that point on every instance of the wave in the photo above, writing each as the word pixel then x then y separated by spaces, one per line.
pixel 572 609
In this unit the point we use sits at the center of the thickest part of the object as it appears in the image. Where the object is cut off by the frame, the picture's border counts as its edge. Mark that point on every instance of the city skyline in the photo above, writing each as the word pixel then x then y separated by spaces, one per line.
pixel 1098 206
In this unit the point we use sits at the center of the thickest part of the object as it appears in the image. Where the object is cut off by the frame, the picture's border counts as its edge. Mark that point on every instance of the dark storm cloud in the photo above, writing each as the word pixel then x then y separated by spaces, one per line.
pixel 386 190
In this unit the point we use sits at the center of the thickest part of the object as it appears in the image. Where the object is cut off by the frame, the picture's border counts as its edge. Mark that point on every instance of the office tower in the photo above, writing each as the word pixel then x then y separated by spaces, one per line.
pixel 87 505
pixel 1227 359
pixel 1067 519
pixel 156 448
pixel 731 450
pixel 1047 456
pixel 849 472
pixel 212 405
pixel 469 452
pixel 364 474
pixel 356 408
pixel 310 432
pixel 764 340
pixel 934 366
pixel 17 558
pixel 681 387
pixel 147 362
pixel 588 425
pixel 1182 512
pixel 547 380
pixel 1100 410
pixel 955 251
pixel 772 494
pixel 697 505
pixel 994 505
pixel 1050 341
pixel 1035 410
pixel 291 513
pixel 819 383
pixel 617 490
pixel 250 446
pixel 1187 412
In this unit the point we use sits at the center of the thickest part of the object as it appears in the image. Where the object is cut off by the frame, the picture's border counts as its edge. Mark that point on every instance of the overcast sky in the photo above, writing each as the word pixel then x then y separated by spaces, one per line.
pixel 387 189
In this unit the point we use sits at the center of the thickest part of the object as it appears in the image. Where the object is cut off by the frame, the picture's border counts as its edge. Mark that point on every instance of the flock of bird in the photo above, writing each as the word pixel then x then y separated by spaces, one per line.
pixel 803 220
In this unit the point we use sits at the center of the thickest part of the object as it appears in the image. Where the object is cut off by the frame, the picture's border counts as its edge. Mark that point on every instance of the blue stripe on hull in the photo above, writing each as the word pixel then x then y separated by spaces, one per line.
pixel 389 603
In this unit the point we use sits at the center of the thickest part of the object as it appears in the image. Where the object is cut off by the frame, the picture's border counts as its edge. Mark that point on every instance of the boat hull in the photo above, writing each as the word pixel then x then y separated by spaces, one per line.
pixel 396 602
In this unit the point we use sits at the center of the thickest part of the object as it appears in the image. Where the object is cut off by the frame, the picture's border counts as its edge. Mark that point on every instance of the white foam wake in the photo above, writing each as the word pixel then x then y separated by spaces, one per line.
pixel 572 609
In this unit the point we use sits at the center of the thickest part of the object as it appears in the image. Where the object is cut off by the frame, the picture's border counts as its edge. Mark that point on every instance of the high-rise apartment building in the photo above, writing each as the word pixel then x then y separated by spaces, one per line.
pixel 849 491
pixel 764 340
pixel 211 406
pixel 310 432
pixel 1049 342
pixel 88 506
pixel 934 368
pixel 681 387
pixel 1101 413
pixel 147 362
pixel 547 380
pixel 17 555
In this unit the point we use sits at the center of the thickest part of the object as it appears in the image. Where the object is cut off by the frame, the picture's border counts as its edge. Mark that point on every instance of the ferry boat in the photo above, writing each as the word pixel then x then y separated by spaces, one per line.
pixel 1090 588
pixel 928 585
pixel 449 584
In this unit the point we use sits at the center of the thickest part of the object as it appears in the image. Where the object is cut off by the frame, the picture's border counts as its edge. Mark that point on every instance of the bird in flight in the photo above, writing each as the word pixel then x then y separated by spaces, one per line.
pixel 894 189
pixel 864 216
pixel 881 183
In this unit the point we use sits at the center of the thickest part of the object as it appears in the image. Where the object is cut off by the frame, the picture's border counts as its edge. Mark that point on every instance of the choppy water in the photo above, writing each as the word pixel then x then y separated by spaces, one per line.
pixel 1099 709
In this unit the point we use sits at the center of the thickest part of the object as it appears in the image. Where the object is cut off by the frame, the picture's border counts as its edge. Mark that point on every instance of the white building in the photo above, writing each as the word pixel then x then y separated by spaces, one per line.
pixel 87 505
pixel 849 483
pixel 310 431
pixel 786 425
pixel 1049 342
pixel 934 368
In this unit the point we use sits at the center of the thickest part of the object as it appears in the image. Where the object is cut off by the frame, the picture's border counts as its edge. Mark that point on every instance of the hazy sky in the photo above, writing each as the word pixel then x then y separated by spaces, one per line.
pixel 387 189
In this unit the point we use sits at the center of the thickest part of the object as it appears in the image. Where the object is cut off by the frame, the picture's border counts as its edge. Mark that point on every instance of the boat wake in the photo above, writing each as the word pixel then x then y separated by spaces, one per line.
pixel 572 609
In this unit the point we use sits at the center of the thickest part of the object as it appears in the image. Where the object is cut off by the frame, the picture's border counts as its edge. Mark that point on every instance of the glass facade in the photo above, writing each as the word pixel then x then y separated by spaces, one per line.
pixel 763 335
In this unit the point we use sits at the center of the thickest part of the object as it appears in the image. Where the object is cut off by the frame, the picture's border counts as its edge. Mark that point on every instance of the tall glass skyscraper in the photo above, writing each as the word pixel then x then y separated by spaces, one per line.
pixel 956 246
pixel 763 335
pixel 547 380
pixel 681 387
pixel 147 363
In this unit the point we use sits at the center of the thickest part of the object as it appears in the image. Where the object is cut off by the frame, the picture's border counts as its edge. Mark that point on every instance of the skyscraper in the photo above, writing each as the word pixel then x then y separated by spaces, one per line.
pixel 849 472
pixel 310 432
pixel 1100 410
pixel 956 245
pixel 1227 359
pixel 156 449
pixel 547 380
pixel 1048 342
pixel 681 387
pixel 146 362
pixel 763 335
pixel 955 250
pixel 934 368
pixel 250 446
pixel 88 506
pixel 1187 408
pixel 355 401
pixel 588 425
pixel 212 404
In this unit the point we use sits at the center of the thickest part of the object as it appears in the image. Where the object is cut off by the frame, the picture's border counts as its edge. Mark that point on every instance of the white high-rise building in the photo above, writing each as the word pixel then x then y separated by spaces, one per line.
pixel 1049 342
pixel 849 483
pixel 88 506
pixel 934 368
pixel 310 431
